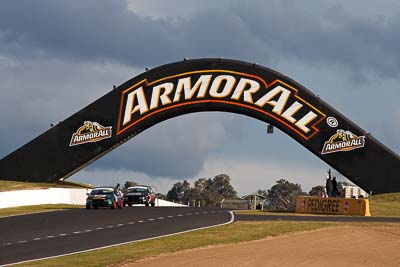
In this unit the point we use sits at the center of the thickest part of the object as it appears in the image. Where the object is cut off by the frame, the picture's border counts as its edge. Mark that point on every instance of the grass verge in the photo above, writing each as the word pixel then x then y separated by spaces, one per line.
pixel 386 205
pixel 14 185
pixel 35 209
pixel 381 205
pixel 232 233
pixel 228 234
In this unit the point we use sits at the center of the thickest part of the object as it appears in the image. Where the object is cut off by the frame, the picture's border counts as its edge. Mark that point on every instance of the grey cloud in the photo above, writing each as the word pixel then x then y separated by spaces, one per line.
pixel 65 54
pixel 174 148
pixel 333 38
pixel 81 30
pixel 260 31
pixel 35 93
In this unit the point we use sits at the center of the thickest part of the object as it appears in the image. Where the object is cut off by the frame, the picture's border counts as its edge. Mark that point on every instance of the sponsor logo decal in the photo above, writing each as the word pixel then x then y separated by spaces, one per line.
pixel 277 100
pixel 343 141
pixel 332 122
pixel 90 132
pixel 323 205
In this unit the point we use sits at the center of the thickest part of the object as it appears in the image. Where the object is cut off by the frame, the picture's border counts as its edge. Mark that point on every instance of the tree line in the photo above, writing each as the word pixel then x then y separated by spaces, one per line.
pixel 211 191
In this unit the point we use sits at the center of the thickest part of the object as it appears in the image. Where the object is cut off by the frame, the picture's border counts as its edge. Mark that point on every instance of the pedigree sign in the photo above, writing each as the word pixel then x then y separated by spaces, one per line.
pixel 332 205
pixel 277 99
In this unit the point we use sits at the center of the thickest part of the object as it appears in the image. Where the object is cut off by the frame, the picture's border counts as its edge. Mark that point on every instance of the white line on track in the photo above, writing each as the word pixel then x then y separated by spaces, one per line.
pixel 110 226
pixel 129 242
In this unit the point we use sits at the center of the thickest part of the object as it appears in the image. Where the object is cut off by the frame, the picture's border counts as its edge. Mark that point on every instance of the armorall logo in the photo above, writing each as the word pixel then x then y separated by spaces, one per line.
pixel 343 141
pixel 90 132
pixel 277 100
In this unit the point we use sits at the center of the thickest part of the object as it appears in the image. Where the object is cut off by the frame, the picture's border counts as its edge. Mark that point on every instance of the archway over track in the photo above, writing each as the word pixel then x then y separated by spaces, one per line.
pixel 206 85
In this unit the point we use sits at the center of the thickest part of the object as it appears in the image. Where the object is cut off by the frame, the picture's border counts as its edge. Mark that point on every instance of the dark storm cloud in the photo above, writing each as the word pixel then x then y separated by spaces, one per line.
pixel 53 56
pixel 260 31
pixel 175 148
pixel 327 36
pixel 82 30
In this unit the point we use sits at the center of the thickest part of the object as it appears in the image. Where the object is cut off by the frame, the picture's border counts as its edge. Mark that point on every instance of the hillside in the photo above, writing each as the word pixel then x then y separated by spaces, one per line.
pixel 13 185
pixel 385 205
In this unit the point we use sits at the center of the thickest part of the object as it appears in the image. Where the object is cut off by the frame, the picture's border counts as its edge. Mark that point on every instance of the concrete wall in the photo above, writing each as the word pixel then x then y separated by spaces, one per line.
pixel 42 196
pixel 55 196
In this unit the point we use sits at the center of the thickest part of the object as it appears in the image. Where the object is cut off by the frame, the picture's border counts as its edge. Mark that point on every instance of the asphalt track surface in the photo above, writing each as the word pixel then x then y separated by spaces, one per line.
pixel 42 235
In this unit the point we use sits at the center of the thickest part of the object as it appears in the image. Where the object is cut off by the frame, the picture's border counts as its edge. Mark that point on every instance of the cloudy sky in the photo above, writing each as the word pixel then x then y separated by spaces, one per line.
pixel 58 56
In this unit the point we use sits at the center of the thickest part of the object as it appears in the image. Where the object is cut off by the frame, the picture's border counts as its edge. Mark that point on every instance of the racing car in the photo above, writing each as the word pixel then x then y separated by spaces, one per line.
pixel 104 197
pixel 140 194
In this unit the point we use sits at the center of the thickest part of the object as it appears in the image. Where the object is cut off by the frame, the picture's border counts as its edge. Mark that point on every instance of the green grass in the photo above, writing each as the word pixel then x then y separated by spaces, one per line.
pixel 260 212
pixel 36 209
pixel 381 205
pixel 228 234
pixel 14 185
pixel 233 233
pixel 387 205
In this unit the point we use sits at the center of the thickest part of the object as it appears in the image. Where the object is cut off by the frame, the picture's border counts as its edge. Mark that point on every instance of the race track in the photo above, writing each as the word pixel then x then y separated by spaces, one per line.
pixel 42 235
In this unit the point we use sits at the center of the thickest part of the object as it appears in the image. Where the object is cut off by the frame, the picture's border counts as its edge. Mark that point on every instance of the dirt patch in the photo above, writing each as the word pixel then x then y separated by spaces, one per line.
pixel 345 246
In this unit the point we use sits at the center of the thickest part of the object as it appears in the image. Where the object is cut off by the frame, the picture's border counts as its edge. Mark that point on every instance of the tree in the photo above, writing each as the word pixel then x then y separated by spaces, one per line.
pixel 212 191
pixel 222 185
pixel 209 191
pixel 128 184
pixel 178 191
pixel 318 190
pixel 282 196
pixel 262 193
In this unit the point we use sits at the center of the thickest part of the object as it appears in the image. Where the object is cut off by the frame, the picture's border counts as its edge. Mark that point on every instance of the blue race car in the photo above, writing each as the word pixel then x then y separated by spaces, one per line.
pixel 104 197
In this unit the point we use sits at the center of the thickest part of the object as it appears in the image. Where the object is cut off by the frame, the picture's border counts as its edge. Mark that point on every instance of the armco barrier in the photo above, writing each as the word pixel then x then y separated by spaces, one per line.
pixel 332 205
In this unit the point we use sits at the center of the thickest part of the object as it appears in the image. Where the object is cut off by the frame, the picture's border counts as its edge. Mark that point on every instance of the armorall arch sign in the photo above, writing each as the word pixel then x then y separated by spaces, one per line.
pixel 206 85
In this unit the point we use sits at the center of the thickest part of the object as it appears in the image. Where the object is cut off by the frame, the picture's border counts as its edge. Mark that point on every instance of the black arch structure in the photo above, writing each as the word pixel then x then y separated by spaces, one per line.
pixel 206 85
